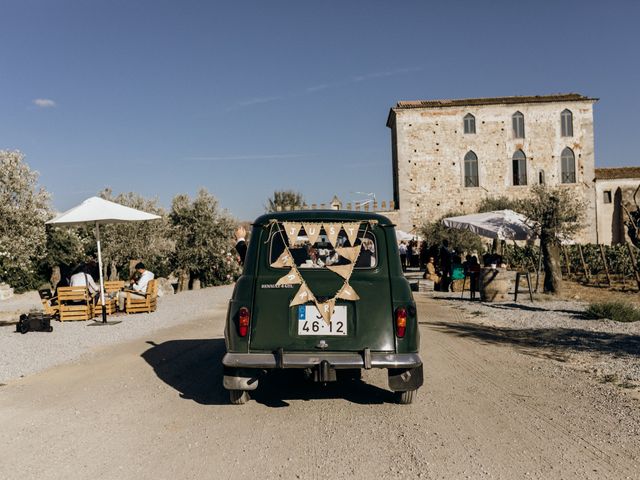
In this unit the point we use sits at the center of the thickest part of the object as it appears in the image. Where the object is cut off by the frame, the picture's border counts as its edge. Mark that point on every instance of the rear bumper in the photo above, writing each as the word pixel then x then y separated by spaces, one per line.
pixel 335 359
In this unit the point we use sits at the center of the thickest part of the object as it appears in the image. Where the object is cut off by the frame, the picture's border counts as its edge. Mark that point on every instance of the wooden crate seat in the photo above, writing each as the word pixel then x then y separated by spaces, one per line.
pixel 147 304
pixel 75 303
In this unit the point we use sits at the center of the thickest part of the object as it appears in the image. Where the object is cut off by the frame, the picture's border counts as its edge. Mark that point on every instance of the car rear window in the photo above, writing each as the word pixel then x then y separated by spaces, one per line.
pixel 322 253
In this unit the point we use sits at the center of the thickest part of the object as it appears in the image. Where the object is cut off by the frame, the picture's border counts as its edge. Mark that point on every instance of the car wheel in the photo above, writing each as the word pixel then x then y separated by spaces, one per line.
pixel 238 397
pixel 405 398
pixel 24 328
pixel 50 329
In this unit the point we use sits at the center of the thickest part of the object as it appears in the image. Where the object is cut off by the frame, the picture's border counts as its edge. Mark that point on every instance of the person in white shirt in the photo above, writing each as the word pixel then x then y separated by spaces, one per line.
pixel 82 278
pixel 139 287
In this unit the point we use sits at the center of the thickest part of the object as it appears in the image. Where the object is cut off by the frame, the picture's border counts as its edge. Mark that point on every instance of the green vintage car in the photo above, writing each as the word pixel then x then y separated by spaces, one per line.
pixel 322 291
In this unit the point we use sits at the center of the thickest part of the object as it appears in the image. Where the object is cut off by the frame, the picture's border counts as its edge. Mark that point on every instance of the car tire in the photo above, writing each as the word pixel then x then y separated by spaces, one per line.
pixel 405 398
pixel 238 397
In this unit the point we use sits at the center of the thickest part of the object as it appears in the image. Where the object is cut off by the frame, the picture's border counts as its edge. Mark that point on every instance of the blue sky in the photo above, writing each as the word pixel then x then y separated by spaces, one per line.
pixel 243 98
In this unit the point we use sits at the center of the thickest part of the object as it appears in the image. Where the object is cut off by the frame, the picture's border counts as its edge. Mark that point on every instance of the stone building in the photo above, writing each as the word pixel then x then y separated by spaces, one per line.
pixel 614 191
pixel 450 154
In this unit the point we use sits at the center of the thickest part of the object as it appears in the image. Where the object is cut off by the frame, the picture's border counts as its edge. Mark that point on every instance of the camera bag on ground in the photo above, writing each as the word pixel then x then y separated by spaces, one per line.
pixel 37 322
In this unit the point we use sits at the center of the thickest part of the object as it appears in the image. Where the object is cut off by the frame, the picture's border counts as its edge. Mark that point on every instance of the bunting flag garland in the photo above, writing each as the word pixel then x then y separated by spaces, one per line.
pixel 291 278
pixel 351 229
pixel 284 260
pixel 332 230
pixel 303 296
pixel 326 309
pixel 350 253
pixel 294 277
pixel 343 270
pixel 347 293
pixel 292 229
pixel 313 231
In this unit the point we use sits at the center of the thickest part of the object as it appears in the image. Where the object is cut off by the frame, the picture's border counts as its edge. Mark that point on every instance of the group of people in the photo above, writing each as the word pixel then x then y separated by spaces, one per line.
pixel 83 276
pixel 450 267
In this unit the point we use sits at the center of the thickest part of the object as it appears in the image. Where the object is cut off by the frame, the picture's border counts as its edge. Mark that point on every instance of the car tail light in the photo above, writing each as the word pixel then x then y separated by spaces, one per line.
pixel 401 321
pixel 243 321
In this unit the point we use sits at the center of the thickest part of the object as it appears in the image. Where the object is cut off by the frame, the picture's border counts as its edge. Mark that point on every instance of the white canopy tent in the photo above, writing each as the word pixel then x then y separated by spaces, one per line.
pixel 96 210
pixel 500 224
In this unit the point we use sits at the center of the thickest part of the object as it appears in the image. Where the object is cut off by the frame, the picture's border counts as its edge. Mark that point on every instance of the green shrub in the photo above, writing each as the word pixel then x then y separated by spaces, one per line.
pixel 617 311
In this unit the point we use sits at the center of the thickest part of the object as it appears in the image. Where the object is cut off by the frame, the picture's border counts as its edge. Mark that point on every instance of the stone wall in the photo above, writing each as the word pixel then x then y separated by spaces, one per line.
pixel 611 195
pixel 431 146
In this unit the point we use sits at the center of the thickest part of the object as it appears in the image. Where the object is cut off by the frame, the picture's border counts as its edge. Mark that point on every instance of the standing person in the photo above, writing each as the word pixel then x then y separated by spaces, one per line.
pixel 446 265
pixel 410 254
pixel 423 255
pixel 136 287
pixel 402 248
pixel 241 243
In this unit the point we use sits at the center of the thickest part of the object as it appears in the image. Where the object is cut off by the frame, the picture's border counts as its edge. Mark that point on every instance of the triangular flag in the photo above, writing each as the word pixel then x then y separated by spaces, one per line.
pixel 313 231
pixel 332 230
pixel 351 229
pixel 284 260
pixel 291 278
pixel 343 270
pixel 347 293
pixel 303 296
pixel 350 253
pixel 326 309
pixel 292 229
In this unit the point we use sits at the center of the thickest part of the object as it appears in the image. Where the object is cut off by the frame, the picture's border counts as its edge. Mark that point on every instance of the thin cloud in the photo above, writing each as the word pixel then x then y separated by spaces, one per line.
pixel 222 158
pixel 255 101
pixel 44 103
pixel 325 86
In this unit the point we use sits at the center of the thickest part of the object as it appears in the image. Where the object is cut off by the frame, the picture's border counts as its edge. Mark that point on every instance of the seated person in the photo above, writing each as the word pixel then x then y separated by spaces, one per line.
pixel 367 256
pixel 137 288
pixel 430 272
pixel 82 278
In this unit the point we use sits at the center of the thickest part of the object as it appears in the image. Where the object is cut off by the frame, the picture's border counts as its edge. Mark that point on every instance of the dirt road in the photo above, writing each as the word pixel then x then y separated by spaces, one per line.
pixel 155 408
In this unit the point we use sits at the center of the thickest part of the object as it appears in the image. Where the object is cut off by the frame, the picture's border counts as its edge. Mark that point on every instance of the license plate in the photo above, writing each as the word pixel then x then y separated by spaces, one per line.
pixel 310 322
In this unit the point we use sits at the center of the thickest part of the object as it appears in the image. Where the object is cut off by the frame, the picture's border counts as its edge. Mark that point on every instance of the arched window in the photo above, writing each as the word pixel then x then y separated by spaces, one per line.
pixel 469 123
pixel 471 170
pixel 518 125
pixel 568 164
pixel 566 123
pixel 519 163
pixel 541 179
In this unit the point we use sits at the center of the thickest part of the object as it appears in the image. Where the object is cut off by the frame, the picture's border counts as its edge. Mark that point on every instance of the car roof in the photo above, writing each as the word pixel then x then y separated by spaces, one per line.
pixel 323 215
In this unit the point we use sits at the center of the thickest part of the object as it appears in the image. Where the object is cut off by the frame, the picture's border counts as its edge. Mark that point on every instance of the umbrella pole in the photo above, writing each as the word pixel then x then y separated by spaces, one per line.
pixel 104 309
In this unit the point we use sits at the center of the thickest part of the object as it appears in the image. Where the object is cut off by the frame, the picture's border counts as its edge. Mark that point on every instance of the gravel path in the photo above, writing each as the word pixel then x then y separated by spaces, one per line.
pixel 35 351
pixel 609 350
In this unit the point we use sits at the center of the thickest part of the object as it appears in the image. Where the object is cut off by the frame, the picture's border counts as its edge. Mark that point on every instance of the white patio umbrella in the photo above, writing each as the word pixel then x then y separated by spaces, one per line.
pixel 401 235
pixel 500 224
pixel 96 210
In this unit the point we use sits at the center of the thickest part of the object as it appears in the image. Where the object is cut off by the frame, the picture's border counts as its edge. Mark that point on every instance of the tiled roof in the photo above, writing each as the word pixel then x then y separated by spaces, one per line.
pixel 560 97
pixel 617 172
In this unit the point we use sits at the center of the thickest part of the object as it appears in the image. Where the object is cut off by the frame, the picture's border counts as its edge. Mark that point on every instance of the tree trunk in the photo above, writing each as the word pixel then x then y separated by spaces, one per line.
pixel 551 263
pixel 113 274
pixel 56 276
pixel 183 281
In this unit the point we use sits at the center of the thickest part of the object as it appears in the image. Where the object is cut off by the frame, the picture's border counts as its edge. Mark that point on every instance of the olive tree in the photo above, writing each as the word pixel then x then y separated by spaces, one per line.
pixel 203 241
pixel 24 208
pixel 554 214
pixel 148 241
pixel 460 240
pixel 284 200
